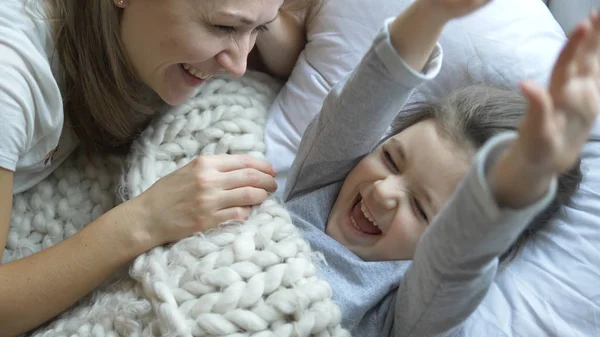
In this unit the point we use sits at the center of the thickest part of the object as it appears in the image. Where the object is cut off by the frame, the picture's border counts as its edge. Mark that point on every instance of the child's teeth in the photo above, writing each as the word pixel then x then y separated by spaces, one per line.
pixel 354 223
pixel 366 214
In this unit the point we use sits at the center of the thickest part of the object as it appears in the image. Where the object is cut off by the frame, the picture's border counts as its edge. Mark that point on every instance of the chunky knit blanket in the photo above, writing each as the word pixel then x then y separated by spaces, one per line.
pixel 258 278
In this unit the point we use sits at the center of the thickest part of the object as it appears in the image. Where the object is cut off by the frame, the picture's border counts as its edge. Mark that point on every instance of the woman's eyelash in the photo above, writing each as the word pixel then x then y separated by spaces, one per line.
pixel 227 29
pixel 262 29
pixel 230 29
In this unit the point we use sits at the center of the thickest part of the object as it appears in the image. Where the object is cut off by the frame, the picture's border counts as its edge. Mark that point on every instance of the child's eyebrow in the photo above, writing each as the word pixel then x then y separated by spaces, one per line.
pixel 399 149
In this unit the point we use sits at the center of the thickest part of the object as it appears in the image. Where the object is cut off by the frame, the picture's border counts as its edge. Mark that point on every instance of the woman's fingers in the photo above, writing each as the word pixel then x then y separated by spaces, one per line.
pixel 232 213
pixel 241 197
pixel 232 162
pixel 247 177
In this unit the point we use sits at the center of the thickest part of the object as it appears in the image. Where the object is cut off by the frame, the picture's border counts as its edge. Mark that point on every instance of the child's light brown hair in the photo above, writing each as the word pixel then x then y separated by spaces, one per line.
pixel 472 115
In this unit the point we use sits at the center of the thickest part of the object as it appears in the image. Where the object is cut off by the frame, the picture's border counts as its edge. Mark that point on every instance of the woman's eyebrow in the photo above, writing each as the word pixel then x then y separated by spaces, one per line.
pixel 242 18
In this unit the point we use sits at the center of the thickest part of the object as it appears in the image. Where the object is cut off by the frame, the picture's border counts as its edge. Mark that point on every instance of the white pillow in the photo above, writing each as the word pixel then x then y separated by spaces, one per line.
pixel 569 13
pixel 502 43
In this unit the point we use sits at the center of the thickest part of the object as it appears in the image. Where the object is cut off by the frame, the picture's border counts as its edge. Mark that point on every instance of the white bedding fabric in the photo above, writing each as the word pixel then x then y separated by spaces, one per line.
pixel 569 12
pixel 502 43
pixel 553 288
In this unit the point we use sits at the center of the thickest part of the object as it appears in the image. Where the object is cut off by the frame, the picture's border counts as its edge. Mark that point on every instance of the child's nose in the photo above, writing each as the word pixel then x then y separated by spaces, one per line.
pixel 386 193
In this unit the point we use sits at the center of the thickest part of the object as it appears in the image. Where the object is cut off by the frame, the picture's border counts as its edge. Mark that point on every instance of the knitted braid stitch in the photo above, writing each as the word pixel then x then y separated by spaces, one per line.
pixel 253 279
pixel 257 278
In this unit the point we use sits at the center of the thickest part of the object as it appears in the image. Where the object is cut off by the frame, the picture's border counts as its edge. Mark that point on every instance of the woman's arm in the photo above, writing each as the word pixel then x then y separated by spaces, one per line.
pixel 278 49
pixel 36 288
pixel 6 189
pixel 194 198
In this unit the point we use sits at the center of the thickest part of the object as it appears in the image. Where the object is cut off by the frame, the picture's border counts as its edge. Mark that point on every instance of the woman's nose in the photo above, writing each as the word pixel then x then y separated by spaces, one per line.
pixel 235 58
pixel 386 193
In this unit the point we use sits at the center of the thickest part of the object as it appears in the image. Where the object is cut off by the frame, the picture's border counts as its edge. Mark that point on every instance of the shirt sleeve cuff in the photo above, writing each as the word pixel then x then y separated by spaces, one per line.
pixel 8 162
pixel 485 158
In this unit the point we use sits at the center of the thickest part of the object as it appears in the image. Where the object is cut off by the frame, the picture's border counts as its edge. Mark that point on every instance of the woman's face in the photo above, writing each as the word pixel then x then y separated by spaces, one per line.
pixel 175 45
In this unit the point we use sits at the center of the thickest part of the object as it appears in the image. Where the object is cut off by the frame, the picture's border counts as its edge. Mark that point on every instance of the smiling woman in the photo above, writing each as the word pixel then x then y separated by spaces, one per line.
pixel 207 36
pixel 95 72
pixel 163 49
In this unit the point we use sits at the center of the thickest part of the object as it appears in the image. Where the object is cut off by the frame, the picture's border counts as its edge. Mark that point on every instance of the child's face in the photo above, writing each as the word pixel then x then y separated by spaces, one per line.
pixel 390 197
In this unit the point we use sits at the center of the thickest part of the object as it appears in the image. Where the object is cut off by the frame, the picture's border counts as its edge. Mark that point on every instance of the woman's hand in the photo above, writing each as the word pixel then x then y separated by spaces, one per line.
pixel 201 195
pixel 558 120
pixel 277 49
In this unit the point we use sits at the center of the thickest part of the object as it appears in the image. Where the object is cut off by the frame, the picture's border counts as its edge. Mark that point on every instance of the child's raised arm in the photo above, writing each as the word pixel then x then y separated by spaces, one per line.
pixel 512 180
pixel 416 30
pixel 557 123
pixel 358 110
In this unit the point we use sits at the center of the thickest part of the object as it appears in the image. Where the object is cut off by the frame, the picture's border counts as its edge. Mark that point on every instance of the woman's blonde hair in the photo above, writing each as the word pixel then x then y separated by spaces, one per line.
pixel 107 105
pixel 104 100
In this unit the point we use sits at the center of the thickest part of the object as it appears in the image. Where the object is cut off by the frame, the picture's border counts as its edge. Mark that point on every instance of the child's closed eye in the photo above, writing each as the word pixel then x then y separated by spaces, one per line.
pixel 389 161
pixel 419 210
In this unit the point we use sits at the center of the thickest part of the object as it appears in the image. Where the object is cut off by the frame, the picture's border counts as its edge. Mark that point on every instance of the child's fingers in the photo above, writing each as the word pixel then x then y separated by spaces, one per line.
pixel 595 33
pixel 567 59
pixel 588 60
pixel 595 18
pixel 596 27
pixel 540 106
pixel 570 49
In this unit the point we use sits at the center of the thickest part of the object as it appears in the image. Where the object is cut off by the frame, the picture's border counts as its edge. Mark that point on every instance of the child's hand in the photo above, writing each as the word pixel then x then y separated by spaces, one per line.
pixel 416 30
pixel 559 119
pixel 557 123
pixel 451 9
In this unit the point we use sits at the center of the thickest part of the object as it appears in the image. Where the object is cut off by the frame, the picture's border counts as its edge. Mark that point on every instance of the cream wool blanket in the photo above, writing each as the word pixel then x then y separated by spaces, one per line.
pixel 255 279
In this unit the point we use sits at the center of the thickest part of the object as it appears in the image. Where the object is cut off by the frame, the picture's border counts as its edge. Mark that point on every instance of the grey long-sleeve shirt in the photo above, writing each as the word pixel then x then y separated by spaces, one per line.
pixel 457 257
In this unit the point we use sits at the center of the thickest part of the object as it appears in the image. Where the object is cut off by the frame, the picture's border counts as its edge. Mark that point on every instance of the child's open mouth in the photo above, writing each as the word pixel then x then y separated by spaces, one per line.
pixel 361 220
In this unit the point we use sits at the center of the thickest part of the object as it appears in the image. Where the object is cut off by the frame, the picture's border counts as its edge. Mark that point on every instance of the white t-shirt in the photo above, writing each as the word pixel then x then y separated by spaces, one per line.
pixel 33 136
